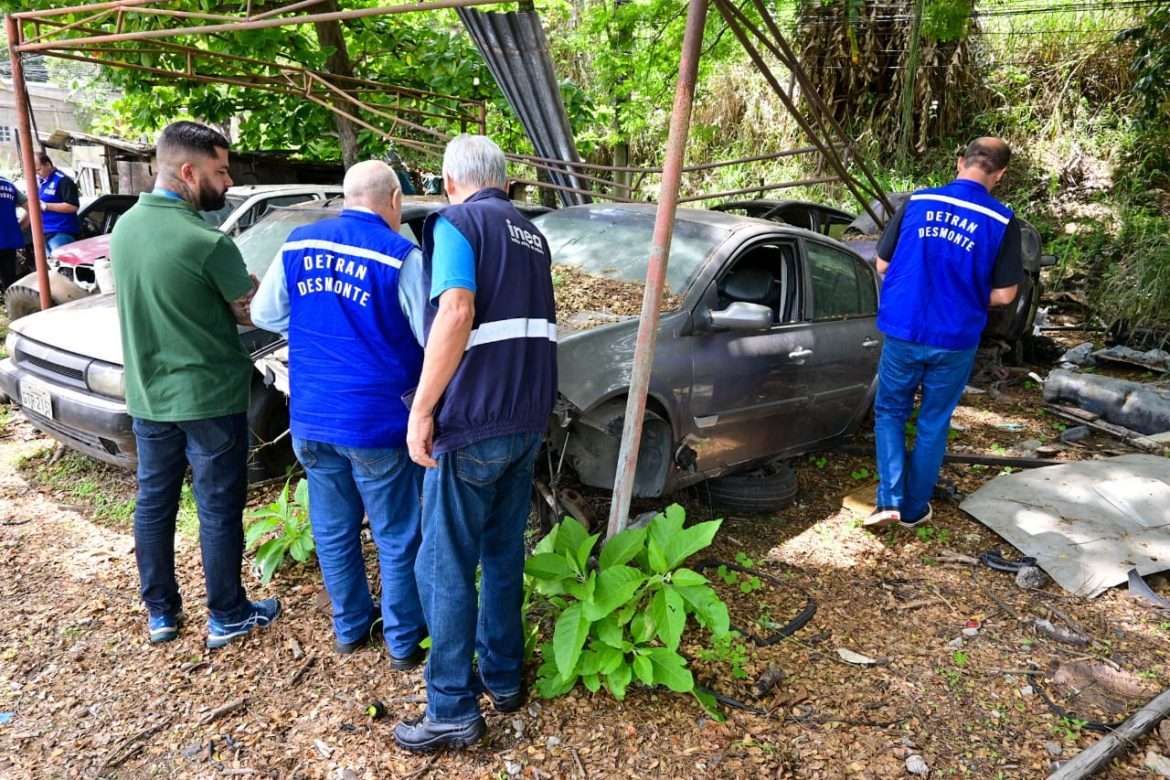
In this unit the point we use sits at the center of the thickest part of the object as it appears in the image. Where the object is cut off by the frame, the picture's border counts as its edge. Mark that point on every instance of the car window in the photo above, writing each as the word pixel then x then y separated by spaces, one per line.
pixel 217 217
pixel 407 232
pixel 838 288
pixel 615 243
pixel 94 222
pixel 764 275
pixel 260 245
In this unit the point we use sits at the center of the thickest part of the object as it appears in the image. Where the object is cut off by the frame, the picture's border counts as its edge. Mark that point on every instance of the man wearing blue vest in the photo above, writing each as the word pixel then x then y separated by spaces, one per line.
pixel 11 230
pixel 947 255
pixel 335 291
pixel 488 383
pixel 59 202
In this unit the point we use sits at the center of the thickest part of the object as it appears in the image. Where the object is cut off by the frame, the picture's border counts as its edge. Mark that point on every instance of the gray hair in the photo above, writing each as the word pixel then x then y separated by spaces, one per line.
pixel 475 161
pixel 370 181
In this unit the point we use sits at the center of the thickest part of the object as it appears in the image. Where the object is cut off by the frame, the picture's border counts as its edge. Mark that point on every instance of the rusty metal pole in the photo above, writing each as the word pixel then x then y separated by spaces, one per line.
pixel 23 109
pixel 676 145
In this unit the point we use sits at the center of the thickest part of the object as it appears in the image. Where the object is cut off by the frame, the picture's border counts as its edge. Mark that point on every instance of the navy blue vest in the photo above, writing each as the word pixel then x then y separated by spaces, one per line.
pixel 507 380
pixel 939 284
pixel 10 235
pixel 351 353
pixel 55 221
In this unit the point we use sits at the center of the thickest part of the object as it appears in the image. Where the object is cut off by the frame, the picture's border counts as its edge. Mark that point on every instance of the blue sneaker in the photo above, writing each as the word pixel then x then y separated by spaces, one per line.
pixel 260 615
pixel 164 628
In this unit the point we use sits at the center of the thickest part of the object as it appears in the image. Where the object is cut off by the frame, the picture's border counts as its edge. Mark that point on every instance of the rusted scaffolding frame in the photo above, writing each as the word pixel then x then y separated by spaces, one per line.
pixel 818 126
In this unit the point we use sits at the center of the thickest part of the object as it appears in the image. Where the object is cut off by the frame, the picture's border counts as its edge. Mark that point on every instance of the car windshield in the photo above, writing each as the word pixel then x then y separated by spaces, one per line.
pixel 615 244
pixel 217 217
pixel 260 244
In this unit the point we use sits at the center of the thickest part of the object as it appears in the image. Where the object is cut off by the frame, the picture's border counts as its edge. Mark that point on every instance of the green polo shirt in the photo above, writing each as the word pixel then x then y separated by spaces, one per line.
pixel 175 276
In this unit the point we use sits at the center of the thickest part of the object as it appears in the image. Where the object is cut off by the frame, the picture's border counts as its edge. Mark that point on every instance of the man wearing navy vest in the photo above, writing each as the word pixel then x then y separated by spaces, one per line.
pixel 947 255
pixel 59 202
pixel 11 231
pixel 477 419
pixel 352 355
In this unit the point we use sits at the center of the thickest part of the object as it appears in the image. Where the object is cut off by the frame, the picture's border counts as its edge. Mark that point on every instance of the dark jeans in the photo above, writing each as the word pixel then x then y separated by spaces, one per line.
pixel 7 268
pixel 475 509
pixel 906 481
pixel 346 483
pixel 217 450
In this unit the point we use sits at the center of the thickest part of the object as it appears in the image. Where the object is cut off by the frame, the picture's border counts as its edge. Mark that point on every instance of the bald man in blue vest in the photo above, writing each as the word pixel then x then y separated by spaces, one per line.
pixel 947 255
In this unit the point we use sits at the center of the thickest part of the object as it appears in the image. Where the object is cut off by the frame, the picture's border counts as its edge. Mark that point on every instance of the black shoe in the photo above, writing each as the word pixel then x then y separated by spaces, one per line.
pixel 510 703
pixel 345 648
pixel 425 735
pixel 412 661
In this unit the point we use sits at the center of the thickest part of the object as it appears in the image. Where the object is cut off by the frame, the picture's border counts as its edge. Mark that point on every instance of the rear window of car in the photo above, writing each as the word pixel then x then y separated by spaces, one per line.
pixel 842 285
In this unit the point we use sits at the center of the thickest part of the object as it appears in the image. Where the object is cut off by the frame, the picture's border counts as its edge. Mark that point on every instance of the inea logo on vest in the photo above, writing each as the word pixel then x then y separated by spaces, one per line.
pixel 327 283
pixel 951 228
pixel 524 238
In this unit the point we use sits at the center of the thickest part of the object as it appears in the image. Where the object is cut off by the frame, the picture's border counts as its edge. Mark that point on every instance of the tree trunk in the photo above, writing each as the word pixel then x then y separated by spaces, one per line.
pixel 330 36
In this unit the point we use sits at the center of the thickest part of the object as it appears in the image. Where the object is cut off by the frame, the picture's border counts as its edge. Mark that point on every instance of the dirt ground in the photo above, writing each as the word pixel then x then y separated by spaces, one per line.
pixel 89 697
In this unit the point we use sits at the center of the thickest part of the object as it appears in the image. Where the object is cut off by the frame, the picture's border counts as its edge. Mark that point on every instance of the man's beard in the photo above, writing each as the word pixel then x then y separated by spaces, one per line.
pixel 208 198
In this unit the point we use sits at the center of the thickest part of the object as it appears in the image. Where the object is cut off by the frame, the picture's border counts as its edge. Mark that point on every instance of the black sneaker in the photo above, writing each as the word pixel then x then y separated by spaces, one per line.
pixel 345 648
pixel 412 661
pixel 925 518
pixel 425 735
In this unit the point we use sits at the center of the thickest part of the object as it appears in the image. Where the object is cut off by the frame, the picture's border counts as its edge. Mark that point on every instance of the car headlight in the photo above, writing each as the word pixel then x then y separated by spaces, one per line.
pixel 106 379
pixel 10 342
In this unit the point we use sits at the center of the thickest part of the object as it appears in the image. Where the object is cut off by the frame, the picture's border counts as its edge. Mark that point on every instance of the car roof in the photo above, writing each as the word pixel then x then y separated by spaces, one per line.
pixel 247 190
pixel 717 219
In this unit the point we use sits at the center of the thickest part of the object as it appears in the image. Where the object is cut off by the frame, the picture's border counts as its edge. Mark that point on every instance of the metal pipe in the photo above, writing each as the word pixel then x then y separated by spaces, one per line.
pixel 564 188
pixel 117 4
pixel 23 107
pixel 80 23
pixel 764 188
pixel 686 169
pixel 263 24
pixel 676 146
pixel 286 8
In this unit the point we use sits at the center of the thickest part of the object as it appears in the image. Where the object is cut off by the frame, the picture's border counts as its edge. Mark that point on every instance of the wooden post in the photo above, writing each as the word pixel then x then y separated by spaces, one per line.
pixel 1098 755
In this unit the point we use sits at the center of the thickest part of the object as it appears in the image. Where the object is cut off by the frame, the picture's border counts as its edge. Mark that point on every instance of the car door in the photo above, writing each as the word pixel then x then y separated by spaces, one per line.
pixel 842 292
pixel 748 394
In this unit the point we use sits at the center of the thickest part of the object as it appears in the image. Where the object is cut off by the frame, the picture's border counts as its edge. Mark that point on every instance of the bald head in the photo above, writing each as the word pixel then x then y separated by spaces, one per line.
pixel 985 160
pixel 373 185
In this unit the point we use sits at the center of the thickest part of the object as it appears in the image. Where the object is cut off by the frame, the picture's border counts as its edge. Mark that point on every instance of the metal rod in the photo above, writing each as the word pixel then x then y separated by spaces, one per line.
pixel 686 169
pixel 263 24
pixel 117 4
pixel 764 188
pixel 676 146
pixel 184 14
pixel 286 9
pixel 97 17
pixel 563 188
pixel 23 109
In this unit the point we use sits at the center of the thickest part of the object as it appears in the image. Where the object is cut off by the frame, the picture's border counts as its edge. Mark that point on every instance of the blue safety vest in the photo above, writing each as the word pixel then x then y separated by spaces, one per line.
pixel 10 234
pixel 55 221
pixel 937 289
pixel 351 352
pixel 507 380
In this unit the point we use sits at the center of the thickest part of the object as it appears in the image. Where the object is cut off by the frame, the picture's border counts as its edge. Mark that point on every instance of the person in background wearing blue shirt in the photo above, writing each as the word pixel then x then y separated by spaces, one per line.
pixel 334 290
pixel 477 419
pixel 947 255
pixel 11 230
pixel 59 203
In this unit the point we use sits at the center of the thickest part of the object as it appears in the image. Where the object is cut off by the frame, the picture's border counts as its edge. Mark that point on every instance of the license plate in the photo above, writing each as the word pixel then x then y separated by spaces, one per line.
pixel 36 397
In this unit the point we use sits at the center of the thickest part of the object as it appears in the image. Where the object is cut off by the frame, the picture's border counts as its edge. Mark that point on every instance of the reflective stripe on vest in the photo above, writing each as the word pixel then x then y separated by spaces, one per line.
pixel 518 328
pixel 343 249
pixel 965 204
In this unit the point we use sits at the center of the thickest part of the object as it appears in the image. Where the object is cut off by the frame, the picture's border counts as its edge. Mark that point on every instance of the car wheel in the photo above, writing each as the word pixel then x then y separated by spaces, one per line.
pixel 765 489
pixel 20 301
pixel 267 422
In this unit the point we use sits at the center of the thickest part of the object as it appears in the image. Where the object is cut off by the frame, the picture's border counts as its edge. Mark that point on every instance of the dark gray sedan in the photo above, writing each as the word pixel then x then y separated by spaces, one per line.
pixel 767 347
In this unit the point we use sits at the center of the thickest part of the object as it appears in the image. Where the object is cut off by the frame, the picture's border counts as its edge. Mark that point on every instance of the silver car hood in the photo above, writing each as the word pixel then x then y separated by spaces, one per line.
pixel 87 327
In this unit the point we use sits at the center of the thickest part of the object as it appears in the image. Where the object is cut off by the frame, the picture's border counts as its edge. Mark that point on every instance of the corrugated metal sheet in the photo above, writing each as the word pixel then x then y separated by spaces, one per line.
pixel 516 51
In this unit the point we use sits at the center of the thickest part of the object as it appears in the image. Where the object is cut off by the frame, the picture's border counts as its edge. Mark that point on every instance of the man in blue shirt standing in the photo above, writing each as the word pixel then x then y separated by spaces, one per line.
pixel 11 230
pixel 477 419
pixel 948 254
pixel 59 203
pixel 352 355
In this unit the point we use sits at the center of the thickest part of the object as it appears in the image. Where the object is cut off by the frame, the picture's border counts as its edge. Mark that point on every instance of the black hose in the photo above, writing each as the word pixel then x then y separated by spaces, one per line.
pixel 994 559
pixel 1061 712
pixel 788 629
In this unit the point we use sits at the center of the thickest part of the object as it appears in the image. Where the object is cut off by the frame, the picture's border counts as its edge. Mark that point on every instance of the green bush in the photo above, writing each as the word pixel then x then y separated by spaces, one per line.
pixel 291 520
pixel 624 618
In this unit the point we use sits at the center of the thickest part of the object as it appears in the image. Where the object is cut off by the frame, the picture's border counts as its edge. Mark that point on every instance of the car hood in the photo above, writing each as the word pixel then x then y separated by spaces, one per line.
pixel 84 252
pixel 88 327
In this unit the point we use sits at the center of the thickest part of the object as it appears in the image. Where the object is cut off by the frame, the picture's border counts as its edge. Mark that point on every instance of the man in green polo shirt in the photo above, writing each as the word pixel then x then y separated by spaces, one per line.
pixel 181 290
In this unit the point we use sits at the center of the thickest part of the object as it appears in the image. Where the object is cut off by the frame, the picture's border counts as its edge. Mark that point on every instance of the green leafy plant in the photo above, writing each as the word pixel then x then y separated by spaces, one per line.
pixel 820 461
pixel 289 518
pixel 1069 728
pixel 727 649
pixel 860 474
pixel 624 619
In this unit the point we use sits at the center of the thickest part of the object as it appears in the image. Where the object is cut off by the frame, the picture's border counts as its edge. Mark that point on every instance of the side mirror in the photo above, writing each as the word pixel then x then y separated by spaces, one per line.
pixel 741 316
pixel 1047 260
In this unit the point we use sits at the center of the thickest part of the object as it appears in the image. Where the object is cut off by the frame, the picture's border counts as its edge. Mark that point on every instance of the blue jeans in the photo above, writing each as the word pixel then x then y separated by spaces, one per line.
pixel 217 450
pixel 346 483
pixel 942 374
pixel 475 510
pixel 54 240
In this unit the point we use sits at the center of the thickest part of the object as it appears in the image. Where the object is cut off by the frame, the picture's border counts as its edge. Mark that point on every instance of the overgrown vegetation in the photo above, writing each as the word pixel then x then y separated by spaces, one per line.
pixel 288 518
pixel 622 617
